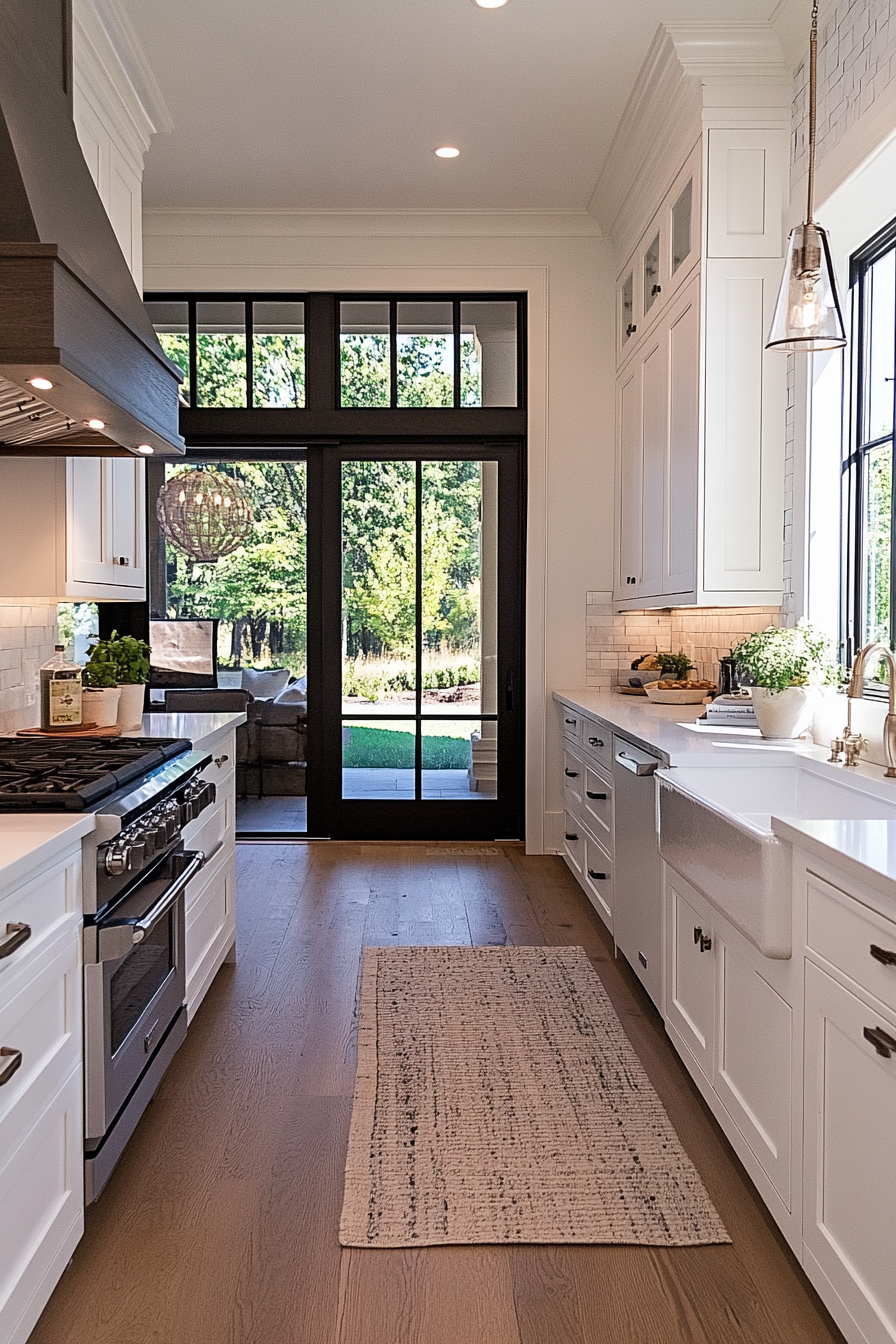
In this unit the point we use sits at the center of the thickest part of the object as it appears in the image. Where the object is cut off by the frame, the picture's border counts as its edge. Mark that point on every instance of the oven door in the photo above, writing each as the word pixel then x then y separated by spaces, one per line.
pixel 135 986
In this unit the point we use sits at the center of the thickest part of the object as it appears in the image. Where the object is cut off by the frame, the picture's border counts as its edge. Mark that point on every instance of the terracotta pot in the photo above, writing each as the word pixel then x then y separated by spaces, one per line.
pixel 130 708
pixel 99 707
pixel 784 714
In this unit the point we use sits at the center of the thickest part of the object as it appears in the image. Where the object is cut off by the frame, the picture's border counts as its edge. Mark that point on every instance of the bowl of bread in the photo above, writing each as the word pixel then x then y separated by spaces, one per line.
pixel 667 691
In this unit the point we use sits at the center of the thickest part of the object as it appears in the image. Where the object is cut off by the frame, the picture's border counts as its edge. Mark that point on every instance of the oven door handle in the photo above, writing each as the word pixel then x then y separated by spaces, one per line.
pixel 118 936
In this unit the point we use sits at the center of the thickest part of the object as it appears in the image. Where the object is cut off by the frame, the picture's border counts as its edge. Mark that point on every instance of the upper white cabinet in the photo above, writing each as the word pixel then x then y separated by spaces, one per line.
pixel 700 402
pixel 73 528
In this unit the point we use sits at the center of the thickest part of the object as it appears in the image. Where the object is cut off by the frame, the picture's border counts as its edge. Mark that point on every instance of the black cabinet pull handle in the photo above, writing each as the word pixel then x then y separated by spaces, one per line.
pixel 657 289
pixel 701 938
pixel 571 774
pixel 883 955
pixel 597 877
pixel 16 935
pixel 567 836
pixel 572 721
pixel 14 1058
pixel 881 1040
pixel 602 796
pixel 595 741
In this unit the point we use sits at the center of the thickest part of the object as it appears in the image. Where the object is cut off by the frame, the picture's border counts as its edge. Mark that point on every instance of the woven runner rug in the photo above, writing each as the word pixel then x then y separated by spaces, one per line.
pixel 497 1100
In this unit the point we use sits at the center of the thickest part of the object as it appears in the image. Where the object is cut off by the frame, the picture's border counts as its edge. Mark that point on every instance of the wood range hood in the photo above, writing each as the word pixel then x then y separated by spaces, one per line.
pixel 70 312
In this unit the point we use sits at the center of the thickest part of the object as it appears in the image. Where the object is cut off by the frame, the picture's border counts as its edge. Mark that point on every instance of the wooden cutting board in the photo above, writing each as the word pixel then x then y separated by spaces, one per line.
pixel 59 733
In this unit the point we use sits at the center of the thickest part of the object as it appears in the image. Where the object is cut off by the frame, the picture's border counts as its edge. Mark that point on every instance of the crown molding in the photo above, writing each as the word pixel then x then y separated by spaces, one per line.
pixel 114 71
pixel 689 69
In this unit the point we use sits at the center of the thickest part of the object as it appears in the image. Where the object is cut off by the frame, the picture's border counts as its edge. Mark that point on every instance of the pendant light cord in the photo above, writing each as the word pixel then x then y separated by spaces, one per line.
pixel 813 61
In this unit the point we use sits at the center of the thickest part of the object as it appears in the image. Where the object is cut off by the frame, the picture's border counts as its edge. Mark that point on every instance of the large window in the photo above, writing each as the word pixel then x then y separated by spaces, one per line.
pixel 870 613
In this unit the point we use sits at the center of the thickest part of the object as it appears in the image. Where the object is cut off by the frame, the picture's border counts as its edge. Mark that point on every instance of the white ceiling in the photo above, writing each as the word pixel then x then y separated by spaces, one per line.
pixel 338 104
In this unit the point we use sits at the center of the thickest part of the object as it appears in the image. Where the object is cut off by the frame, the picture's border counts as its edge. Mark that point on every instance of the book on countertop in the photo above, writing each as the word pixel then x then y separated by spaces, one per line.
pixel 733 711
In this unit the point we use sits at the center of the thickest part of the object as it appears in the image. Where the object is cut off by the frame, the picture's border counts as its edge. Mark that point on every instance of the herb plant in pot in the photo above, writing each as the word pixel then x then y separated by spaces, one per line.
pixel 129 657
pixel 99 701
pixel 789 666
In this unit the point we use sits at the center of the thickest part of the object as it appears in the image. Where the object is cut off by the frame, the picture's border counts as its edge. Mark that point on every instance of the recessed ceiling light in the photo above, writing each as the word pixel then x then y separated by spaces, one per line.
pixel 446 152
pixel 95 424
pixel 145 448
pixel 489 4
pixel 42 384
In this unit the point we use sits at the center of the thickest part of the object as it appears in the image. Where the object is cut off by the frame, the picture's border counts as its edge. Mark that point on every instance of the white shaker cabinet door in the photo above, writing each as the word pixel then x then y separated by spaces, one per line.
pixel 682 461
pixel 629 478
pixel 849 1215
pixel 745 411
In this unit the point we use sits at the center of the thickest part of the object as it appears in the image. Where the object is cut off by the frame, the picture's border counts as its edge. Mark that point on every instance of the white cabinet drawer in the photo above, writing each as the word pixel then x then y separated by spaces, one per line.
pixel 570 722
pixel 597 741
pixel 42 1021
pixel 42 905
pixel 210 924
pixel 42 1180
pixel 857 941
pixel 573 781
pixel 574 843
pixel 598 879
pixel 597 806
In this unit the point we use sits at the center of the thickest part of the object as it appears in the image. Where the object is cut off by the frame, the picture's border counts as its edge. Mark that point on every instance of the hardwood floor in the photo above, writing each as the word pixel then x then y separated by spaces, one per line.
pixel 219 1225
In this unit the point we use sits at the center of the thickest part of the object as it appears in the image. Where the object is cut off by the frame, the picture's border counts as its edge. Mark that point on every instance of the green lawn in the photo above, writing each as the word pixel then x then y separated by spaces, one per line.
pixel 385 749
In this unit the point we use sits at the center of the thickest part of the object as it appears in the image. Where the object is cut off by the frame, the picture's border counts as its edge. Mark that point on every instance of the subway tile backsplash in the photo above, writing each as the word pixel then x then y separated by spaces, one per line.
pixel 613 639
pixel 27 639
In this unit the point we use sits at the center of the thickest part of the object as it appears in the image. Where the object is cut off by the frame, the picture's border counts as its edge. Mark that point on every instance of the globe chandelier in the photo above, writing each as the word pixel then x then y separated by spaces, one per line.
pixel 807 313
pixel 204 514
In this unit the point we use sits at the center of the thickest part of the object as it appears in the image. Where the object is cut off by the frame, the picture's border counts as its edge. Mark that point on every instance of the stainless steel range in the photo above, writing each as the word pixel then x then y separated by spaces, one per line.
pixel 135 869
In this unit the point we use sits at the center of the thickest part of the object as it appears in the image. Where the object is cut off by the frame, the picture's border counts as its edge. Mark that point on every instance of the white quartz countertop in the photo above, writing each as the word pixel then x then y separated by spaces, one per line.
pixel 863 850
pixel 201 729
pixel 30 839
pixel 672 731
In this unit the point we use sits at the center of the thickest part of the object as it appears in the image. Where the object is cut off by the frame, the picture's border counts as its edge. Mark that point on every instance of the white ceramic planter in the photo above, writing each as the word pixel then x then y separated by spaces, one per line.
pixel 130 708
pixel 99 708
pixel 785 713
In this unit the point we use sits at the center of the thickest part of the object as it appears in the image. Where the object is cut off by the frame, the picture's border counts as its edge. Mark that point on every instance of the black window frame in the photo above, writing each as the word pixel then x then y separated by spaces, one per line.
pixel 323 419
pixel 856 451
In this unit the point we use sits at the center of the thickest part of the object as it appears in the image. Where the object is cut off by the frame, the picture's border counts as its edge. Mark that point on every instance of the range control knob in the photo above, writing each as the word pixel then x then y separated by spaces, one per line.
pixel 117 858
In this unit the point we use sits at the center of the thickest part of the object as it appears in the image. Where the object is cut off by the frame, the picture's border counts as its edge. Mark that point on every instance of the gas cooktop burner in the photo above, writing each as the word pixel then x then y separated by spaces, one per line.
pixel 74 776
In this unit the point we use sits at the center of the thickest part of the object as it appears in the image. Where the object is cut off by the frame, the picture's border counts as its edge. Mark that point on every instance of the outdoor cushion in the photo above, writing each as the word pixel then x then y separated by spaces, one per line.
pixel 265 684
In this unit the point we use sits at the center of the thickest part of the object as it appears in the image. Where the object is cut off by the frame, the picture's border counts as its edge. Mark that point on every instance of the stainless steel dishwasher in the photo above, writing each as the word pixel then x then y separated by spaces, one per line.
pixel 637 917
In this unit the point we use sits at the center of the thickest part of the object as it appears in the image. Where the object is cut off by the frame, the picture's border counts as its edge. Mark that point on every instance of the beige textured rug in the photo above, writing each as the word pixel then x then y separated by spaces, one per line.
pixel 499 1100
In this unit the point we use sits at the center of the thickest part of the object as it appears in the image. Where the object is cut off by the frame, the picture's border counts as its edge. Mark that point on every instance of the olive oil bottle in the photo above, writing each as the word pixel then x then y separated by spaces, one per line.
pixel 60 693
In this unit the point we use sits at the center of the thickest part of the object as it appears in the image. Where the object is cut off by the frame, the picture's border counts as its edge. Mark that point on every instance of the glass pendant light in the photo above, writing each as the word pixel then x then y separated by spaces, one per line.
pixel 807 313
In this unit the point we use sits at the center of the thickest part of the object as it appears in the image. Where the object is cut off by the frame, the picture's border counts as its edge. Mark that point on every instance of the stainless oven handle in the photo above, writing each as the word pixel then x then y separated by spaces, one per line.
pixel 116 936
pixel 143 926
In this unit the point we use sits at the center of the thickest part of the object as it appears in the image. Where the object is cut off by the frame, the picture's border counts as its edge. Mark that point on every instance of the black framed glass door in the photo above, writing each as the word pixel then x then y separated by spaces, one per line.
pixel 415 714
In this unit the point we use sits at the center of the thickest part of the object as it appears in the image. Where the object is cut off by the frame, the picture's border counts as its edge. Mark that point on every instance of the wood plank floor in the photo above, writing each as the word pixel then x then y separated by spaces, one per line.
pixel 219 1225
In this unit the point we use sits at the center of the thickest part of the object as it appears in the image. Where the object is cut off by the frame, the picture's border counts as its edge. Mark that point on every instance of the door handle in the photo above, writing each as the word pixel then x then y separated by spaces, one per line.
pixel 13 1061
pixel 15 936
pixel 881 1040
pixel 701 938
pixel 601 796
pixel 567 835
pixel 571 774
pixel 881 954
pixel 597 877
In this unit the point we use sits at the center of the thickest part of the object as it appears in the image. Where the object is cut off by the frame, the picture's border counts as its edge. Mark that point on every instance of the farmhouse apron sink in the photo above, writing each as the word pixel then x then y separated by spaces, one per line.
pixel 715 830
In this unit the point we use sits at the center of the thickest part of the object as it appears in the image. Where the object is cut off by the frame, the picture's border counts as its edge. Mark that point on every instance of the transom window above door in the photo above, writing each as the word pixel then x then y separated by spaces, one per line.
pixel 338 352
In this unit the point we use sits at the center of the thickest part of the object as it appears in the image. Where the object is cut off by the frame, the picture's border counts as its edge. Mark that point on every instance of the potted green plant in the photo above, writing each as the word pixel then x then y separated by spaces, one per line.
pixel 129 659
pixel 99 702
pixel 789 666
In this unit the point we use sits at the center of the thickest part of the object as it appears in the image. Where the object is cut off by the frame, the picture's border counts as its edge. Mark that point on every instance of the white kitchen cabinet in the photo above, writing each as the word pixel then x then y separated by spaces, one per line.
pixel 73 528
pixel 700 402
pixel 210 899
pixel 587 790
pixel 849 1201
pixel 41 1095
pixel 657 459
pixel 733 1016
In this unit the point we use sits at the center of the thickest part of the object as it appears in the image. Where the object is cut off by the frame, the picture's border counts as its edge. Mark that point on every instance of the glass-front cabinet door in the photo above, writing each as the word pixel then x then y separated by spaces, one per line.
pixel 652 286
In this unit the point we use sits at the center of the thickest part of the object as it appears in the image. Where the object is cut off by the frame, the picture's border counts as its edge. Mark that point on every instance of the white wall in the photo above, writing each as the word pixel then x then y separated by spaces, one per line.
pixel 567 270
